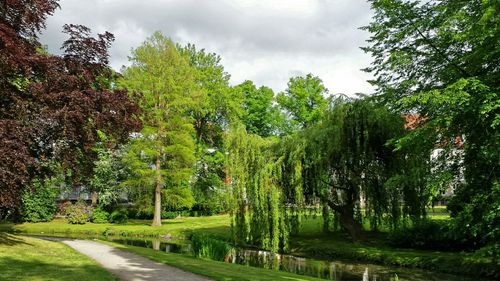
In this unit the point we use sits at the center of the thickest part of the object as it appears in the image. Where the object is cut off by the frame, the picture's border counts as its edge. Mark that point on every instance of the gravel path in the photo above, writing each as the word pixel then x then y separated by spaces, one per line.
pixel 128 266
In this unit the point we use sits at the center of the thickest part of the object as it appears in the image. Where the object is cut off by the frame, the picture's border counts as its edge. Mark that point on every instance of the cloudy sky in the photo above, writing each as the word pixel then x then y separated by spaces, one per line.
pixel 264 41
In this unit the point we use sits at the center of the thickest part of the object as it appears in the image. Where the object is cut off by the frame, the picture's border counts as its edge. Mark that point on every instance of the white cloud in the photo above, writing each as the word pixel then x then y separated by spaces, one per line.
pixel 264 41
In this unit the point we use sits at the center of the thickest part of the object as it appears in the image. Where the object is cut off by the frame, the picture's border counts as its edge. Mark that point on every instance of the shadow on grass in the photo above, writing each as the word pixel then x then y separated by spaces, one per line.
pixel 23 269
pixel 10 240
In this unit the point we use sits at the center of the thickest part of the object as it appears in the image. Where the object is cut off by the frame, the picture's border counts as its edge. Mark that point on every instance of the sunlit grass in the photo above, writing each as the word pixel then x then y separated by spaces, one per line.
pixel 178 227
pixel 24 258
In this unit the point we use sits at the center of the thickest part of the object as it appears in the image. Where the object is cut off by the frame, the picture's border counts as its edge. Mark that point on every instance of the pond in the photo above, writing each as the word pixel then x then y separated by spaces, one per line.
pixel 337 270
pixel 326 269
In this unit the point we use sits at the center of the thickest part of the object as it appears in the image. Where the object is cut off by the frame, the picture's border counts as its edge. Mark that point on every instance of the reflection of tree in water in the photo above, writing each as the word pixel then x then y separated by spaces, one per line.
pixel 156 244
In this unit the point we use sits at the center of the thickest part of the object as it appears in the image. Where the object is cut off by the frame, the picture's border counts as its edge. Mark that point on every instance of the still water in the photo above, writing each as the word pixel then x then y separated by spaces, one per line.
pixel 326 269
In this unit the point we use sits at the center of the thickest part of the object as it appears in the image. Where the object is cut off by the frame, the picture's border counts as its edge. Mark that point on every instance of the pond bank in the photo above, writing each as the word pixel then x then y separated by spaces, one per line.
pixel 465 264
pixel 330 269
pixel 318 247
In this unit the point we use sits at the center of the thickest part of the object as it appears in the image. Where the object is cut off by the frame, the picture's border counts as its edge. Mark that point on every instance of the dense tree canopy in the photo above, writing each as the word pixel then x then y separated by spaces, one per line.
pixel 259 116
pixel 441 59
pixel 304 101
pixel 346 161
pixel 52 106
pixel 258 216
pixel 219 105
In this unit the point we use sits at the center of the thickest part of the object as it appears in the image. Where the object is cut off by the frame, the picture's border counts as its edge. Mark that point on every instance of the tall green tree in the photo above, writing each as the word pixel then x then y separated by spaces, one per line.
pixel 166 142
pixel 219 106
pixel 259 116
pixel 441 59
pixel 304 101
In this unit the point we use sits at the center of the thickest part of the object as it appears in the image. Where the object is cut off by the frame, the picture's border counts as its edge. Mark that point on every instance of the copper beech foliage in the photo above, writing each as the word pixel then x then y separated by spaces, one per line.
pixel 52 106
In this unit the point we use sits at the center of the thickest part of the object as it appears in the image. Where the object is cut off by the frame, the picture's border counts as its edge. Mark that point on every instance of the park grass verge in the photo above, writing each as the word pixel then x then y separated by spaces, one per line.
pixel 212 269
pixel 311 242
pixel 179 228
pixel 334 247
pixel 25 258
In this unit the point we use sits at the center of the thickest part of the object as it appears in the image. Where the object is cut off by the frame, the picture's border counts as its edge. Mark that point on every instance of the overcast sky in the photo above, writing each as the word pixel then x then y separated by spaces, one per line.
pixel 264 41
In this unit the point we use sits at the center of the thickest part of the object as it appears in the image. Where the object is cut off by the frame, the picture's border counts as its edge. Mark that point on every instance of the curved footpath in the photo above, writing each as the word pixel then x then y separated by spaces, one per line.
pixel 125 265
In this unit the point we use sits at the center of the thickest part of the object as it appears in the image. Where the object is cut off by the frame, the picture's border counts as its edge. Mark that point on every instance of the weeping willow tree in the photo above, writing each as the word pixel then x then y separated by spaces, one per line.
pixel 258 216
pixel 348 163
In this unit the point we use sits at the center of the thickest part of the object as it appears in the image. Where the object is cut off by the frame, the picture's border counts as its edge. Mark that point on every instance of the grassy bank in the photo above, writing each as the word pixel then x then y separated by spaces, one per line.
pixel 24 258
pixel 311 242
pixel 336 246
pixel 212 269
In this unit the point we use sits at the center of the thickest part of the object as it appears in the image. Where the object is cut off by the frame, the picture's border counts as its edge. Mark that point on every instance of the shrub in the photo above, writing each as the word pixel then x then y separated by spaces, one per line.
pixel 119 216
pixel 39 204
pixel 61 207
pixel 77 213
pixel 100 216
pixel 141 213
pixel 168 215
pixel 205 246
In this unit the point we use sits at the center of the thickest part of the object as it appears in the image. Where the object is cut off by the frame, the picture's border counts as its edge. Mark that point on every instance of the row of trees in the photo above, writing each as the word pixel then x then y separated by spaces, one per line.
pixel 173 130
pixel 436 61
pixel 160 123
pixel 188 107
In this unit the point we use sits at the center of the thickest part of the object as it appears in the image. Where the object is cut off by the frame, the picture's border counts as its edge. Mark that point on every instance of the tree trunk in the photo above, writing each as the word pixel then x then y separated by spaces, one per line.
pixel 347 221
pixel 157 213
pixel 93 197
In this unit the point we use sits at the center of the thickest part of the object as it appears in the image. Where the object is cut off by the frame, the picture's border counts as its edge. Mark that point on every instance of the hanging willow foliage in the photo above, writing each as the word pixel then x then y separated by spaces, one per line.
pixel 258 216
pixel 348 164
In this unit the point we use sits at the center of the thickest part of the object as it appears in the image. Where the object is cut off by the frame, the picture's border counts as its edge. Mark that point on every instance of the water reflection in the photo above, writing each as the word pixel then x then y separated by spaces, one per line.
pixel 155 244
pixel 329 270
pixel 322 269
pixel 335 270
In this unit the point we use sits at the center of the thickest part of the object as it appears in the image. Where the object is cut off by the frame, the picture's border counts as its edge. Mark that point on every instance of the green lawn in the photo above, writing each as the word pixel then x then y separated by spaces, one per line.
pixel 179 227
pixel 213 269
pixel 24 258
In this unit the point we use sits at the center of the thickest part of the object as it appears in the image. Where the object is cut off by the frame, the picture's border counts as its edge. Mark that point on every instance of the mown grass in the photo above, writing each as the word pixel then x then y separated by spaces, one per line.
pixel 178 228
pixel 212 269
pixel 24 258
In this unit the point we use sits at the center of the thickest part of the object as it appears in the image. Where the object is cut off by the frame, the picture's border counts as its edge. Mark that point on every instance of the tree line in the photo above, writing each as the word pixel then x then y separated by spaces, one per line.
pixel 174 133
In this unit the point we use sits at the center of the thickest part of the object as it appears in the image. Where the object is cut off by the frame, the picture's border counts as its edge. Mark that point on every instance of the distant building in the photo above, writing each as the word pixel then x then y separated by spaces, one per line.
pixel 454 157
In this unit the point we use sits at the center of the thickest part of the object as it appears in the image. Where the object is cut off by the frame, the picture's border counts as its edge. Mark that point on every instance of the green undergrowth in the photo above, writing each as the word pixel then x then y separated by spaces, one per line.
pixel 212 269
